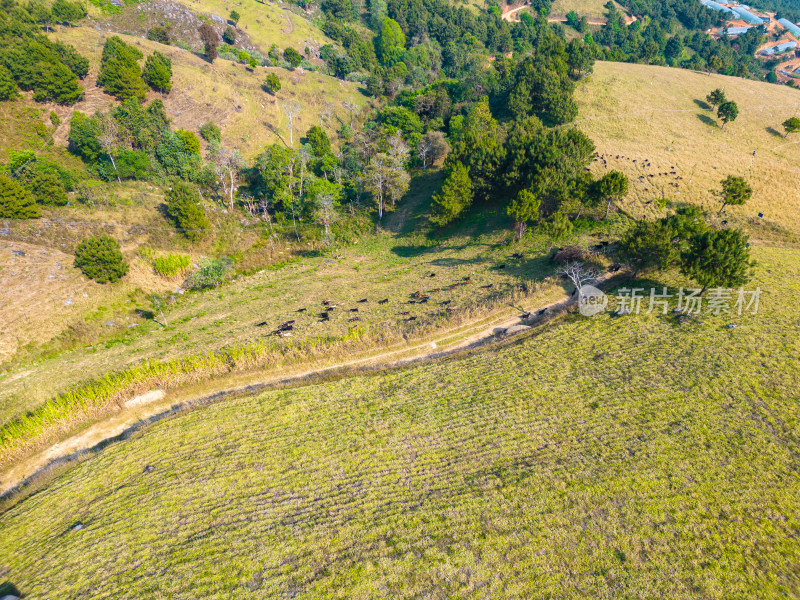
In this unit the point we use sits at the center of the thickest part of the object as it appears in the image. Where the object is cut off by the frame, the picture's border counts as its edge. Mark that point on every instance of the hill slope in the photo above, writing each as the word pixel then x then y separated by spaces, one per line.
pixel 635 468
pixel 658 114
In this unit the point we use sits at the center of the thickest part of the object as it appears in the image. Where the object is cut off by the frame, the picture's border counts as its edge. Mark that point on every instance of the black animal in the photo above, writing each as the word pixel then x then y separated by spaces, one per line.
pixel 353 310
pixel 446 302
pixel 352 319
pixel 301 310
pixel 384 301
pixel 432 275
pixel 262 324
pixel 518 255
pixel 149 469
pixel 325 315
pixel 467 278
pixel 411 319
pixel 499 267
pixel 405 313
pixel 488 286
pixel 362 301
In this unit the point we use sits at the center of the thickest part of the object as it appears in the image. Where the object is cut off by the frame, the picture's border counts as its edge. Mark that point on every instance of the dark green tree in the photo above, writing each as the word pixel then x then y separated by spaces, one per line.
pixel 524 208
pixel 15 201
pixel 646 245
pixel 65 11
pixel 727 112
pixel 234 17
pixel 791 125
pixel 185 209
pixel 454 197
pixel 158 72
pixel 8 87
pixel 716 98
pixel 47 188
pixel 83 137
pixel 735 192
pixel 229 35
pixel 292 56
pixel 100 258
pixel 120 74
pixel 320 143
pixel 479 148
pixel 610 188
pixel 718 258
pixel 211 133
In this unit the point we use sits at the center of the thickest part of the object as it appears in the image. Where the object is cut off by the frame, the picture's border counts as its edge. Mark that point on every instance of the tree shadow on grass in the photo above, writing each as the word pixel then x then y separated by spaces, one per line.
pixel 773 131
pixel 9 589
pixel 703 105
pixel 708 120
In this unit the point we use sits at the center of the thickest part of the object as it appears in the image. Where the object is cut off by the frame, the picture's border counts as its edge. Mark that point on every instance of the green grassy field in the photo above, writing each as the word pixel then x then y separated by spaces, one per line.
pixel 593 9
pixel 609 457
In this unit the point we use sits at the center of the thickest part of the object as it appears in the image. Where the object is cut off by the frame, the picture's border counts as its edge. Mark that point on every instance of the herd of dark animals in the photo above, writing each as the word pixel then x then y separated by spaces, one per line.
pixel 643 163
pixel 285 329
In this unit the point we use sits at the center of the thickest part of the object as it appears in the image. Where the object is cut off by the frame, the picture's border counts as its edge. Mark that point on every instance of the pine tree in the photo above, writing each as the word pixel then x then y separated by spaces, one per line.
pixel 185 210
pixel 158 72
pixel 15 201
pixel 454 197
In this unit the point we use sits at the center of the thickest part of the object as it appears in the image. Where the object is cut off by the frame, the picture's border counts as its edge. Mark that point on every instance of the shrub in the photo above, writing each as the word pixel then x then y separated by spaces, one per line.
pixel 292 56
pixel 229 35
pixel 319 141
pixel 120 74
pixel 47 188
pixel 210 41
pixel 272 84
pixel 131 164
pixel 186 211
pixel 211 132
pixel 100 258
pixel 171 265
pixel 158 72
pixel 54 82
pixel 190 141
pixel 569 254
pixel 8 87
pixel 15 201
pixel 210 274
pixel 159 34
pixel 83 134
pixel 234 17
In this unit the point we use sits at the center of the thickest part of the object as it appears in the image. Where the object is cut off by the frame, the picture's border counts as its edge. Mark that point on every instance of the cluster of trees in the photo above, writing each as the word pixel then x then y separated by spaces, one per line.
pixel 727 110
pixel 30 181
pixel 122 76
pixel 30 61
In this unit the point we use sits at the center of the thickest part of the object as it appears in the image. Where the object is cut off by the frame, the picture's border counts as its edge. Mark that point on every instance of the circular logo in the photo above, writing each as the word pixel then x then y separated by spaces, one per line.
pixel 591 301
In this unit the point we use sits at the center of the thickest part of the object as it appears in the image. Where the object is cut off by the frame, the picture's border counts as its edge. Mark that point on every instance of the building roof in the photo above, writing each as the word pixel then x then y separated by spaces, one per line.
pixel 732 31
pixel 746 15
pixel 790 27
pixel 719 7
pixel 779 48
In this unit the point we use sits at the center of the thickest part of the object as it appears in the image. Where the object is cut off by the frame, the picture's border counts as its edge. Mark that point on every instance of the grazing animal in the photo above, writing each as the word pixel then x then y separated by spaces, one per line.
pixel 325 315
pixel 326 302
pixel 412 301
pixel 384 301
pixel 424 300
pixel 285 334
pixel 454 286
pixel 353 310
pixel 518 255
pixel 499 267
pixel 362 301
pixel 526 315
pixel 411 319
pixel 287 323
pixel 352 319
pixel 416 295
pixel 467 278
pixel 432 275
pixel 301 310
pixel 488 286
pixel 445 302
pixel 262 324
pixel 149 469
pixel 405 313
pixel 433 291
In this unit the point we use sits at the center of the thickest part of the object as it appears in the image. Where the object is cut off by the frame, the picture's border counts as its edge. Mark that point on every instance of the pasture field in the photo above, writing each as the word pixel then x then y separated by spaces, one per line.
pixel 658 115
pixel 592 9
pixel 604 457
pixel 227 93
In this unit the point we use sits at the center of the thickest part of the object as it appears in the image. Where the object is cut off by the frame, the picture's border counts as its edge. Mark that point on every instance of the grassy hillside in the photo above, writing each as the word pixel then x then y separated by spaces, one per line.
pixel 224 92
pixel 658 114
pixel 637 467
pixel 593 9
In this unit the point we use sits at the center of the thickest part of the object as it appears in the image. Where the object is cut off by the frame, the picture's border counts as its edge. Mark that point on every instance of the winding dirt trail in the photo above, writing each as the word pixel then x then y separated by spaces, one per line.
pixel 155 405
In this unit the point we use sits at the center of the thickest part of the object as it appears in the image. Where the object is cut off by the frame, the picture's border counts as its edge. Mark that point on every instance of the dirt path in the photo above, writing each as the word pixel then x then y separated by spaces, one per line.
pixel 151 407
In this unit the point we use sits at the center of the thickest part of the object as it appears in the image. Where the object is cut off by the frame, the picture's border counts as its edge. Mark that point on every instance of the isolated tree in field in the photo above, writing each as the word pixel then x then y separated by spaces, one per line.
pixel 791 125
pixel 185 210
pixel 717 258
pixel 610 188
pixel 735 192
pixel 292 56
pixel 291 110
pixel 431 148
pixel 391 42
pixel 100 258
pixel 523 209
pixel 8 87
pixel 272 83
pixel 557 228
pixel 454 197
pixel 15 201
pixel 210 39
pixel 646 245
pixel 234 17
pixel 158 72
pixel 579 274
pixel 727 112
pixel 229 35
pixel 716 98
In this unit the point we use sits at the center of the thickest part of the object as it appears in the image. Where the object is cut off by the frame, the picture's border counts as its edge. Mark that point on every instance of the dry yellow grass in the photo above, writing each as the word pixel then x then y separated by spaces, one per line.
pixel 592 9
pixel 223 92
pixel 657 114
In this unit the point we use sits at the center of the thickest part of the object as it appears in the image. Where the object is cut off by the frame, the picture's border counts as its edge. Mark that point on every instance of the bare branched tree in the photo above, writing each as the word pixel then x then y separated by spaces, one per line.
pixel 579 274
pixel 351 108
pixel 109 138
pixel 227 164
pixel 431 148
pixel 291 109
